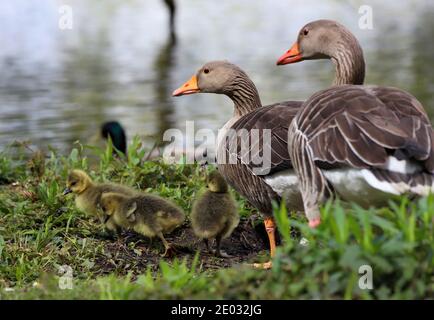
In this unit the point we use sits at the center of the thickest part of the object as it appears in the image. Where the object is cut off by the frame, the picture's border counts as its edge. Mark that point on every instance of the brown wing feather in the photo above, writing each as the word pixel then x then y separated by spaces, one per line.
pixel 258 193
pixel 361 126
pixel 276 118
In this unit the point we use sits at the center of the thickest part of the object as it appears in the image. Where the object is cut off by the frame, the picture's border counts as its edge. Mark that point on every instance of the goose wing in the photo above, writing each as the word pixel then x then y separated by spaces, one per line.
pixel 259 139
pixel 241 174
pixel 361 127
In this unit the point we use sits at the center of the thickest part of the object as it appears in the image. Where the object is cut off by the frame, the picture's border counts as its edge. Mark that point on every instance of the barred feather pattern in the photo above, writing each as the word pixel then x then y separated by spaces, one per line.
pixel 240 175
pixel 313 185
pixel 360 127
pixel 349 62
pixel 244 94
pixel 250 115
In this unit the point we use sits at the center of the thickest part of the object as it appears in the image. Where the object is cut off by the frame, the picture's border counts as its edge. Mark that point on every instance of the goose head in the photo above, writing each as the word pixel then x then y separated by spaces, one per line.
pixel 316 40
pixel 327 39
pixel 213 77
pixel 223 77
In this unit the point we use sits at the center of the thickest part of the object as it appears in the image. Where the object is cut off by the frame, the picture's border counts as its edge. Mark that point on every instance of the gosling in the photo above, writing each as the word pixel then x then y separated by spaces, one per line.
pixel 214 213
pixel 88 193
pixel 146 214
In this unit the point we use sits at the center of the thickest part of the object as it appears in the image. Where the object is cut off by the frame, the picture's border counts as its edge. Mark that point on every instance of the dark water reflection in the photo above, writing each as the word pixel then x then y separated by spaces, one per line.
pixel 164 63
pixel 122 60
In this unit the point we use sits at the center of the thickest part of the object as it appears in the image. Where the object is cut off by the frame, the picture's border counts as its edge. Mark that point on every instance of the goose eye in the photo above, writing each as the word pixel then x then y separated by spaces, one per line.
pixel 305 32
pixel 206 70
pixel 73 183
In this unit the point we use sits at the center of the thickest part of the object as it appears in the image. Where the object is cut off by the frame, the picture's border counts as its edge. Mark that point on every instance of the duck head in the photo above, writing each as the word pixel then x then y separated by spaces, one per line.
pixel 116 132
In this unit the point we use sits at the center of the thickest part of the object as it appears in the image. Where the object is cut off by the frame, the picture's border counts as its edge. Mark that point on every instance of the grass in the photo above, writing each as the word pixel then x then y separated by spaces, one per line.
pixel 41 231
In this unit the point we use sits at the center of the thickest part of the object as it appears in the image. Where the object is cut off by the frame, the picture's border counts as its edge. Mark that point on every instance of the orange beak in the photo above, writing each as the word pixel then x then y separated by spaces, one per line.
pixel 189 87
pixel 290 56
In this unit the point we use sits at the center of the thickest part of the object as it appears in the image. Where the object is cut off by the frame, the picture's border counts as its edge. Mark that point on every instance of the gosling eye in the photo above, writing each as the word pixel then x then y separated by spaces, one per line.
pixel 206 70
pixel 73 183
pixel 305 32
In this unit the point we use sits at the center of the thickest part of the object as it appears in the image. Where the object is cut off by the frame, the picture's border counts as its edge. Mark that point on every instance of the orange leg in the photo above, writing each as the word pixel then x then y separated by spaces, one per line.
pixel 270 227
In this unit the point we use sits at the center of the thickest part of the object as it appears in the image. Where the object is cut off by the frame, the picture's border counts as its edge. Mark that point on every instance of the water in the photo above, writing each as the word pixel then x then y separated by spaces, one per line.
pixel 119 60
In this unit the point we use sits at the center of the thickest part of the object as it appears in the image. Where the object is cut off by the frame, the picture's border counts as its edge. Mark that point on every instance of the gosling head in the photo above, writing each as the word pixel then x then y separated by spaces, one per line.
pixel 216 183
pixel 78 181
pixel 111 203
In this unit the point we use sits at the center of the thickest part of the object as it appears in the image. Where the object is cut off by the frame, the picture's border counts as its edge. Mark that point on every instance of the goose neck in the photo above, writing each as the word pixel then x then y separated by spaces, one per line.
pixel 245 96
pixel 349 64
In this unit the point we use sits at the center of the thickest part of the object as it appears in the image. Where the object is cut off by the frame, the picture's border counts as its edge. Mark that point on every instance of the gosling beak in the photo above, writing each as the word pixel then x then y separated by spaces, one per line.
pixel 106 218
pixel 290 56
pixel 66 191
pixel 189 87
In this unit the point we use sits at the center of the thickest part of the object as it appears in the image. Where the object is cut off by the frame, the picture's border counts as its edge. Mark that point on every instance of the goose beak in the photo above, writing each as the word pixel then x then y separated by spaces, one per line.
pixel 290 56
pixel 189 87
pixel 66 191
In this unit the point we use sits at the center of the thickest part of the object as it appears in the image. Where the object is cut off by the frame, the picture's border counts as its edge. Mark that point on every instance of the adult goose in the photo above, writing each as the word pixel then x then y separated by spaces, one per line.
pixel 259 183
pixel 363 143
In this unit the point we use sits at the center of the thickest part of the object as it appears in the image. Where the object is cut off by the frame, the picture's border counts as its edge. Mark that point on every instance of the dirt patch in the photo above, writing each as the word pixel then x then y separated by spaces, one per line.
pixel 134 253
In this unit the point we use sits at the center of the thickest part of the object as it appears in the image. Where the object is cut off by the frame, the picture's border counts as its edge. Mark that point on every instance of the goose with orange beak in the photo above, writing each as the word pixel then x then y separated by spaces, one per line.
pixel 327 39
pixel 190 87
pixel 367 144
pixel 291 56
pixel 276 180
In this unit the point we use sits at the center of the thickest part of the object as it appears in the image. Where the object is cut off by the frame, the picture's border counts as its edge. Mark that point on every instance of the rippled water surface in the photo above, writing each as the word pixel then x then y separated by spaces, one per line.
pixel 120 62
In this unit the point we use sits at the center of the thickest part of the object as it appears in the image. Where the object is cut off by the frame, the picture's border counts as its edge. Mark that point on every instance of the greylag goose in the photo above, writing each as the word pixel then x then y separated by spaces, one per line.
pixel 260 186
pixel 363 143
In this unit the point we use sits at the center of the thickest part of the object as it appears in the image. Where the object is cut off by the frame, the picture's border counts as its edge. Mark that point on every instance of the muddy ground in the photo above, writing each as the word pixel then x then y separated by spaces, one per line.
pixel 134 253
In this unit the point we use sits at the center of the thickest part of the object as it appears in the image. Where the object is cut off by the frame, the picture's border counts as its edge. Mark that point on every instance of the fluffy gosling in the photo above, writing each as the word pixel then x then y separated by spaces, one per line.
pixel 214 213
pixel 146 214
pixel 88 193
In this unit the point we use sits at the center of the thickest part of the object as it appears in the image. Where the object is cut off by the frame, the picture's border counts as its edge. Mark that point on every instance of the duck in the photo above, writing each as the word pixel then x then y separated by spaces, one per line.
pixel 147 214
pixel 88 193
pixel 115 131
pixel 363 143
pixel 260 185
pixel 214 213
